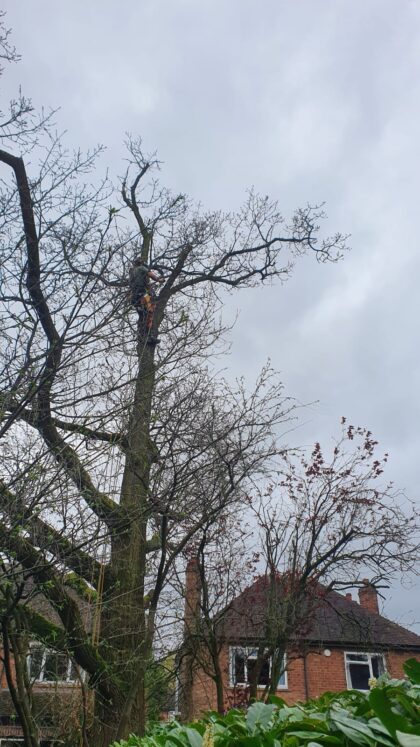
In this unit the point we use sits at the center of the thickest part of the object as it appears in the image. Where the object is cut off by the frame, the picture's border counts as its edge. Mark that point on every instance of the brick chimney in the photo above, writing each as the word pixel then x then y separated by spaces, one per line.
pixel 368 597
pixel 192 595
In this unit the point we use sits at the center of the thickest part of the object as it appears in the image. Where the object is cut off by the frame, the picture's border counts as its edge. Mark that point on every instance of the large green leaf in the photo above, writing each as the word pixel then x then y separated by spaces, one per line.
pixel 256 740
pixel 173 739
pixel 310 735
pixel 413 711
pixel 194 738
pixel 382 734
pixel 259 715
pixel 382 705
pixel 412 670
pixel 275 700
pixel 311 729
pixel 408 740
pixel 376 724
pixel 355 730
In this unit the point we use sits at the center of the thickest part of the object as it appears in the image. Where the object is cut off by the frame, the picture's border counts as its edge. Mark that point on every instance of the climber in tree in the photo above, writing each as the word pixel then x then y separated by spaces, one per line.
pixel 142 293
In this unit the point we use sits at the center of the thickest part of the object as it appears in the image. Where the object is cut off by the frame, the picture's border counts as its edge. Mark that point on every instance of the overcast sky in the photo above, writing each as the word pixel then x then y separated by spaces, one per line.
pixel 309 101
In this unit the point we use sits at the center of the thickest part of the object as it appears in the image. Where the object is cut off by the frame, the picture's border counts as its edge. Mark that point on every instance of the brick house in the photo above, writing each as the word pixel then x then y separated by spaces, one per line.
pixel 57 699
pixel 61 704
pixel 55 683
pixel 346 643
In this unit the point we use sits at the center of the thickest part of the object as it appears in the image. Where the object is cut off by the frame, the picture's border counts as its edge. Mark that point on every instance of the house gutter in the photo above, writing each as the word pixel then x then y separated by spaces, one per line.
pixel 365 645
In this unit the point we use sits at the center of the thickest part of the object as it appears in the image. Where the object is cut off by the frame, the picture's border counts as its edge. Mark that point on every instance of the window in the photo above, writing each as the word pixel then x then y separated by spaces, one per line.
pixel 242 661
pixel 361 667
pixel 47 665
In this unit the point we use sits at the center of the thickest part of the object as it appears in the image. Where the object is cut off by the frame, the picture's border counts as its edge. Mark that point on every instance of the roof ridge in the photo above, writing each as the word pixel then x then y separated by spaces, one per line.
pixel 243 616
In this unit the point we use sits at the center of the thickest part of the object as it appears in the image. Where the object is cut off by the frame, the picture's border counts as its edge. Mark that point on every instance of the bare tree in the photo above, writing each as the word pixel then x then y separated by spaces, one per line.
pixel 41 712
pixel 15 643
pixel 220 565
pixel 326 525
pixel 117 451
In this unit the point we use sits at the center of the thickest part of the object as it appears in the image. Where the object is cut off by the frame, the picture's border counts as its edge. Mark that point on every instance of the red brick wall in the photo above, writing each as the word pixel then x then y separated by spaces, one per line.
pixel 3 678
pixel 322 673
pixel 325 673
pixel 204 693
pixel 395 661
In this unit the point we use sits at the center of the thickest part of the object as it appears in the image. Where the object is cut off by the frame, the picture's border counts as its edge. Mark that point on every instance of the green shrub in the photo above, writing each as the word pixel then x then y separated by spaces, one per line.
pixel 387 716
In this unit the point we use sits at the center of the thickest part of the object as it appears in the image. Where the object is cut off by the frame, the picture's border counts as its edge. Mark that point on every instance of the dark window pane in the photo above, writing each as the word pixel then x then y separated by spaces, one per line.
pixel 73 673
pixel 239 668
pixel 357 657
pixel 377 666
pixel 55 667
pixel 250 666
pixel 264 678
pixel 359 675
pixel 264 673
pixel 35 662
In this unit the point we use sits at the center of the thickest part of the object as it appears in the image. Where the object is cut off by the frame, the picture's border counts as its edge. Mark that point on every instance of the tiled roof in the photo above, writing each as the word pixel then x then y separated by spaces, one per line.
pixel 336 620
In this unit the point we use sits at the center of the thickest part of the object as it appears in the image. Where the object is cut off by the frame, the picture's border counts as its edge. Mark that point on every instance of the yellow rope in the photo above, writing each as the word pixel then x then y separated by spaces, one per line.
pixel 96 624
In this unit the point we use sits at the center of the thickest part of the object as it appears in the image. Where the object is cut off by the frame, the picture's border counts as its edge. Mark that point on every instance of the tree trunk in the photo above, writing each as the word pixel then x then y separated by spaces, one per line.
pixel 220 695
pixel 112 723
pixel 255 673
pixel 277 668
pixel 186 682
pixel 123 637
pixel 17 683
pixel 218 676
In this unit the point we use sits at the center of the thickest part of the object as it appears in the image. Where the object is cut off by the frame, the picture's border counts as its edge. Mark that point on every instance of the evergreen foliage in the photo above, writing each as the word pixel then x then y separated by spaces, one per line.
pixel 389 716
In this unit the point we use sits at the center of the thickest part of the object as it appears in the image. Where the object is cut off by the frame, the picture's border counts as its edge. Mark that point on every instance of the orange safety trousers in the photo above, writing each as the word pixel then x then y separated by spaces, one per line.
pixel 149 306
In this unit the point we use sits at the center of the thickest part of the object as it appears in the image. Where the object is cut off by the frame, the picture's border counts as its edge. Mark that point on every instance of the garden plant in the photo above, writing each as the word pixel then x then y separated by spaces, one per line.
pixel 388 715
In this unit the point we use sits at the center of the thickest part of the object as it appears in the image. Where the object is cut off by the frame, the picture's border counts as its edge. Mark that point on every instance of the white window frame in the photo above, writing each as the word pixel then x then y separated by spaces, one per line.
pixel 247 650
pixel 369 655
pixel 47 652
